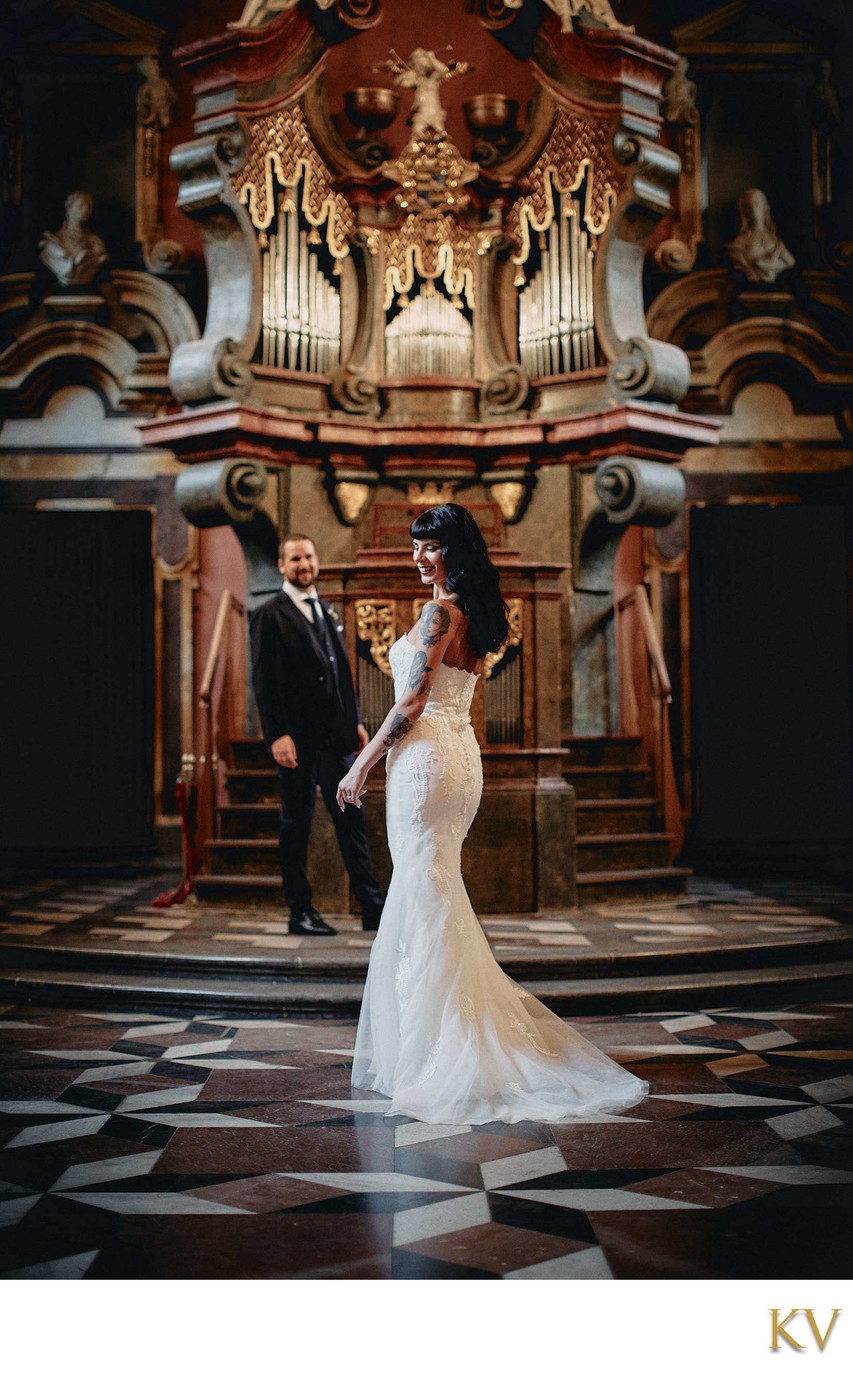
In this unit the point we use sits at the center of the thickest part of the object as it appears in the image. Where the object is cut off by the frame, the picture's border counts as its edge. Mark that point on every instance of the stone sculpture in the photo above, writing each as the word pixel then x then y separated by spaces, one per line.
pixel 75 254
pixel 156 96
pixel 757 249
pixel 425 73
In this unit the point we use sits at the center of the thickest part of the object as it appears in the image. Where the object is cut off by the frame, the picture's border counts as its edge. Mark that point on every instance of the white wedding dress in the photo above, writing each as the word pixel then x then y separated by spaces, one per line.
pixel 443 1032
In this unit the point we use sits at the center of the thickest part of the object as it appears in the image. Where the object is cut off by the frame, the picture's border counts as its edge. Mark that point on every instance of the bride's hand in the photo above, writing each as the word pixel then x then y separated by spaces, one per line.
pixel 351 788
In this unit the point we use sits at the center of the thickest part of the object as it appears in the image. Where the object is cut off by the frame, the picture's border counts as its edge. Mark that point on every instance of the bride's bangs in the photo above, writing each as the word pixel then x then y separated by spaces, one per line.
pixel 430 523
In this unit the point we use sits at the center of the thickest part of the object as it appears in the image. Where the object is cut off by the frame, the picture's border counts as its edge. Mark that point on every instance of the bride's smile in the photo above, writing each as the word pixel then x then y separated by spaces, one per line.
pixel 430 562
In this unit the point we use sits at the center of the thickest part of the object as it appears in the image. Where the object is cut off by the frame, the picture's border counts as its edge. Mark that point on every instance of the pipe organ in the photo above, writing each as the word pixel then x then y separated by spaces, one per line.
pixel 472 364
pixel 555 319
pixel 429 336
pixel 301 327
pixel 502 691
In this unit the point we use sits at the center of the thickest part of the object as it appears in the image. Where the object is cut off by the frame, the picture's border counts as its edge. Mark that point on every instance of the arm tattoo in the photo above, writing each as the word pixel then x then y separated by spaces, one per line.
pixel 400 726
pixel 419 676
pixel 435 622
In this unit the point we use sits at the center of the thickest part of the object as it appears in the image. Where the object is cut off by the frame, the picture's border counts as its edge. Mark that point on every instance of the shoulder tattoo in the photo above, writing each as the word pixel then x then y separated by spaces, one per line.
pixel 435 622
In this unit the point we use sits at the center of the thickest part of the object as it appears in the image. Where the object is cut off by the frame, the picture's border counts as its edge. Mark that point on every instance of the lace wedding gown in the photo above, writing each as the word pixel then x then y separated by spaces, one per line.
pixel 443 1031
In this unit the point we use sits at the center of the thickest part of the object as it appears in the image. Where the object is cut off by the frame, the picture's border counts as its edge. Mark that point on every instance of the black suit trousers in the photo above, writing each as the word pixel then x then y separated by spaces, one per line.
pixel 322 765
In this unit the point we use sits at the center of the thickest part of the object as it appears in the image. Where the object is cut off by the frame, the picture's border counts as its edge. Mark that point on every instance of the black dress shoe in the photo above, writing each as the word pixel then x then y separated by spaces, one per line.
pixel 370 922
pixel 308 922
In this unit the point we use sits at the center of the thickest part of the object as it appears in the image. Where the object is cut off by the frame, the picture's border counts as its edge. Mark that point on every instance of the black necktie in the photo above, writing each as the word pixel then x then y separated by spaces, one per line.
pixel 325 637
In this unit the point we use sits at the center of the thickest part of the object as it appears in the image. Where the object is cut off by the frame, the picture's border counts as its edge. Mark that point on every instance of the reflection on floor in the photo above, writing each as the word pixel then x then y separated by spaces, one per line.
pixel 116 1126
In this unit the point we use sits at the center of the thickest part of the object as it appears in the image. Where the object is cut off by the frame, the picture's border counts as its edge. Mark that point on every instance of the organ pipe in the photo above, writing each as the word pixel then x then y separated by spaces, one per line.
pixel 301 327
pixel 556 333
pixel 504 703
pixel 429 336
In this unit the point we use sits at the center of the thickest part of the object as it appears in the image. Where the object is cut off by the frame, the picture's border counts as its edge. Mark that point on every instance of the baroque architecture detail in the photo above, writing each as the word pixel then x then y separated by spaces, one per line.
pixel 281 153
pixel 376 625
pixel 425 74
pixel 577 150
pixel 358 14
pixel 757 250
pixel 567 11
pixel 677 253
pixel 74 254
pixel 218 366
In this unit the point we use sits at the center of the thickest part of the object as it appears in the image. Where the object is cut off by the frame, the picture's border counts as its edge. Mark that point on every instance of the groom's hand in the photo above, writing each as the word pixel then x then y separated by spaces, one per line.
pixel 284 751
pixel 363 736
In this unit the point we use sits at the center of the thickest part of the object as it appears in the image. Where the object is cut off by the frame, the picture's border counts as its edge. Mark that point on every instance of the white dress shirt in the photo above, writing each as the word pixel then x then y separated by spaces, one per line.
pixel 302 598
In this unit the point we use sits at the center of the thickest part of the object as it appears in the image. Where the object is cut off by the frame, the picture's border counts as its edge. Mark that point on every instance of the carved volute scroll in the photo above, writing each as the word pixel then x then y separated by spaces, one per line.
pixel 354 388
pixel 677 253
pixel 640 366
pixel 217 366
pixel 155 100
pixel 505 381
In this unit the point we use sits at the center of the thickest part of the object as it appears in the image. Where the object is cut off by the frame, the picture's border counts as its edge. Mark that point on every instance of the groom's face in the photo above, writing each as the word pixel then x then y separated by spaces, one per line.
pixel 298 563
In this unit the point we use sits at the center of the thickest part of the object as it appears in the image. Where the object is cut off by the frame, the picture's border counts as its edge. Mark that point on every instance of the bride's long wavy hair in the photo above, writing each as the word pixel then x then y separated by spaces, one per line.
pixel 470 574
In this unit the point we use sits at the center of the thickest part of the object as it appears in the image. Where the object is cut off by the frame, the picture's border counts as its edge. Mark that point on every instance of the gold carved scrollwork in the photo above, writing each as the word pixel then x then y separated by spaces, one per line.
pixel 429 494
pixel 576 149
pixel 281 151
pixel 515 614
pixel 432 174
pixel 435 247
pixel 375 624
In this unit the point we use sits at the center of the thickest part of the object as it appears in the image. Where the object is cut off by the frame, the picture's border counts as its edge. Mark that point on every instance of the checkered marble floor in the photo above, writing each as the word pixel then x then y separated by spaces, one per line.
pixel 118 914
pixel 117 1127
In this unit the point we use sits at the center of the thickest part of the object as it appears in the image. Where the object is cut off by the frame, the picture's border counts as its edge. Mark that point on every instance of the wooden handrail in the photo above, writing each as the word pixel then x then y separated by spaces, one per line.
pixel 639 596
pixel 660 688
pixel 228 602
pixel 215 709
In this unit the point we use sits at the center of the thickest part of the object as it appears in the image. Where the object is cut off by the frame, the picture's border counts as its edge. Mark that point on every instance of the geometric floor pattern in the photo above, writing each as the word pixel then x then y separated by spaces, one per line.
pixel 117 914
pixel 137 1146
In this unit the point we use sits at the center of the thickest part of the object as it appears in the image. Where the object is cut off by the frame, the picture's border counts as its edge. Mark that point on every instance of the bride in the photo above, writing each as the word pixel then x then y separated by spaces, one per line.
pixel 443 1032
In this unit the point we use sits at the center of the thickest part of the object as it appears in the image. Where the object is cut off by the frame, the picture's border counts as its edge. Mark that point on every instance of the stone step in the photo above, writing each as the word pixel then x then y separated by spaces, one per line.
pixel 604 750
pixel 615 815
pixel 238 889
pixel 603 852
pixel 249 754
pixel 299 997
pixel 632 884
pixel 249 857
pixel 325 960
pixel 263 890
pixel 251 785
pixel 252 820
pixel 592 783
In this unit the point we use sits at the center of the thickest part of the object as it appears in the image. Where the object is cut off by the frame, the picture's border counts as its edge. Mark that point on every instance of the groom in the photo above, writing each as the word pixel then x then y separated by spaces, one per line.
pixel 312 725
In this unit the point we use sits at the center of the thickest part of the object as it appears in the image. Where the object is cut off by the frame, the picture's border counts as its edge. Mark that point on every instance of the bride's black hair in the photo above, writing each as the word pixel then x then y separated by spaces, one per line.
pixel 470 574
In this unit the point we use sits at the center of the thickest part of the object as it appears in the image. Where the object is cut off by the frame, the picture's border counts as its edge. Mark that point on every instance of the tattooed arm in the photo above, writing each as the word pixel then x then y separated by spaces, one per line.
pixel 431 637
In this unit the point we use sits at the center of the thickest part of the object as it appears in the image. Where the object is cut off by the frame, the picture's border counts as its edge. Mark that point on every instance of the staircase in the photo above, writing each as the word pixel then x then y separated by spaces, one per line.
pixel 623 852
pixel 242 861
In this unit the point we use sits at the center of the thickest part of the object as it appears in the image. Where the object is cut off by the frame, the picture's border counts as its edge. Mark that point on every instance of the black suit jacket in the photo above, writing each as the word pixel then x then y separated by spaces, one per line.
pixel 294 687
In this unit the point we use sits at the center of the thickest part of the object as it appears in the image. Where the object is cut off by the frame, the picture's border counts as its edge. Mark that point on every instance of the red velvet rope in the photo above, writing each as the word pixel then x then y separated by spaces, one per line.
pixel 186 799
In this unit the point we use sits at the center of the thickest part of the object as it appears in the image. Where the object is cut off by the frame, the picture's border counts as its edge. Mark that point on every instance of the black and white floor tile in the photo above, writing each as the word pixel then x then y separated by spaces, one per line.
pixel 116 1127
